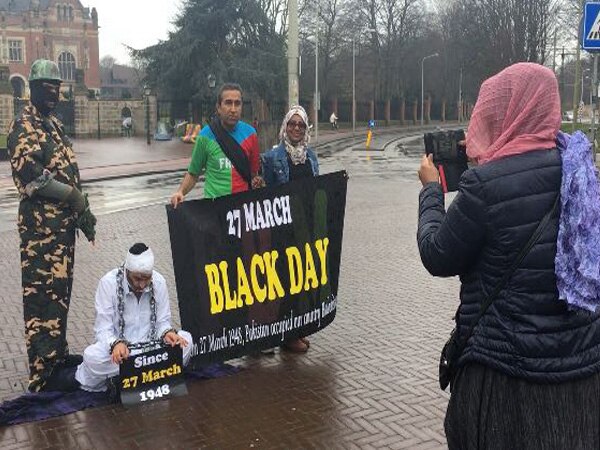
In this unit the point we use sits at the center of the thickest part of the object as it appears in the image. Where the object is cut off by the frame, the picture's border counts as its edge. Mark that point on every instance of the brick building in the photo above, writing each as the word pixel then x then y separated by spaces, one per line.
pixel 61 30
pixel 120 82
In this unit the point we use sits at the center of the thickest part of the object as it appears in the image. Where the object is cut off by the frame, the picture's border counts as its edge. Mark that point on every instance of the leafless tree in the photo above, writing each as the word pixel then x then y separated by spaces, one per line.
pixel 277 12
pixel 332 19
pixel 107 61
pixel 402 22
pixel 492 34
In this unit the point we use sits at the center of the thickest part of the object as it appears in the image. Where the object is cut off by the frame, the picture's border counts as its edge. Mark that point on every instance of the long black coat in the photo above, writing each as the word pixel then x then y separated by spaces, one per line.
pixel 527 332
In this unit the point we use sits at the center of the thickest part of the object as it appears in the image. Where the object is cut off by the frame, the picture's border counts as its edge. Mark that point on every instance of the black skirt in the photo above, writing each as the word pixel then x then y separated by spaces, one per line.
pixel 490 410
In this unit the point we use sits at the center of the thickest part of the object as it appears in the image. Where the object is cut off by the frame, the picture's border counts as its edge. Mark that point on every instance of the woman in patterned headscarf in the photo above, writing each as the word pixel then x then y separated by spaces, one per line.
pixel 292 159
pixel 528 367
pixel 289 161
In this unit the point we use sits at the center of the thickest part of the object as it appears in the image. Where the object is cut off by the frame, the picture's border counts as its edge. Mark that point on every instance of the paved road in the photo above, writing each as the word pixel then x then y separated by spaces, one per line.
pixel 109 194
pixel 368 380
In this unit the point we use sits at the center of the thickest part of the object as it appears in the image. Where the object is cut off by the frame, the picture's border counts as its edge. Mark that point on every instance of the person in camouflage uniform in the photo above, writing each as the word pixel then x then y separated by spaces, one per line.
pixel 51 207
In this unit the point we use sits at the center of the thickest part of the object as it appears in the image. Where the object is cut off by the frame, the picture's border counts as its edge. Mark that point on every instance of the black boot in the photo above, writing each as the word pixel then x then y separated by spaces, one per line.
pixel 73 360
pixel 114 389
pixel 62 379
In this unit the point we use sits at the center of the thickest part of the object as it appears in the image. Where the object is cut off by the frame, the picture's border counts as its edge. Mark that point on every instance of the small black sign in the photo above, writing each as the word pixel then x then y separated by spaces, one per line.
pixel 152 375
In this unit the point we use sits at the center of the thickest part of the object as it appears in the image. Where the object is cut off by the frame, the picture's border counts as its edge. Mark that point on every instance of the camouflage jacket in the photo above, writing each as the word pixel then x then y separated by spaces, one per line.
pixel 37 148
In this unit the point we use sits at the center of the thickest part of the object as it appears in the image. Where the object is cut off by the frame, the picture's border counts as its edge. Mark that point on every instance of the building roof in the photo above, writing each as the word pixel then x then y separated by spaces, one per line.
pixel 20 5
pixel 119 75
pixel 25 5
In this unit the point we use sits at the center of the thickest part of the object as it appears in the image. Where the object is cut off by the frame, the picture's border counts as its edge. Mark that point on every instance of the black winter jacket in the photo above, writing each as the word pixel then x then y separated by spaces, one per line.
pixel 527 332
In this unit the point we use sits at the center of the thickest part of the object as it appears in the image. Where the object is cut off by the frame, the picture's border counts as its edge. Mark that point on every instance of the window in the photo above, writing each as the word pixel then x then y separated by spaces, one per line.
pixel 66 64
pixel 64 13
pixel 18 86
pixel 15 51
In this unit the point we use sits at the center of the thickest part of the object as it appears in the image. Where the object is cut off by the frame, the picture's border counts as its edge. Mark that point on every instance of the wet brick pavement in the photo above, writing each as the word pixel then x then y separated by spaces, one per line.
pixel 368 380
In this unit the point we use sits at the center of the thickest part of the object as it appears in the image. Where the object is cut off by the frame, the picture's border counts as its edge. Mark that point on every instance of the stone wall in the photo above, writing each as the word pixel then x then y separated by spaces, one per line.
pixel 7 112
pixel 86 116
pixel 111 119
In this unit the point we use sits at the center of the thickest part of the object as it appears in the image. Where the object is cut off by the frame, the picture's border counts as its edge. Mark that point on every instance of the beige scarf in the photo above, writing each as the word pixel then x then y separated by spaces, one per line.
pixel 296 152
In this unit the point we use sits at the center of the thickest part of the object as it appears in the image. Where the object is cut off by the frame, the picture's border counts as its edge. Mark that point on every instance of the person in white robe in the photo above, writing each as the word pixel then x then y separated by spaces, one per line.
pixel 132 308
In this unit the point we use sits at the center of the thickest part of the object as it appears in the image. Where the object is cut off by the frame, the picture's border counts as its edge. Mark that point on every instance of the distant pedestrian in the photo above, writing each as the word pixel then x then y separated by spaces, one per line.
pixel 51 208
pixel 127 125
pixel 333 121
pixel 527 350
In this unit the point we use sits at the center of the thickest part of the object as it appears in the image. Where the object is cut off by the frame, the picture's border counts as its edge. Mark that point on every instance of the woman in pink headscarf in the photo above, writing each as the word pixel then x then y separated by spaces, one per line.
pixel 524 365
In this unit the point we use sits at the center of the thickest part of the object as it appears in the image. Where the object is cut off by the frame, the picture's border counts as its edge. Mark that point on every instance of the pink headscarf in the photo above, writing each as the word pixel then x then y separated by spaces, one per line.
pixel 517 111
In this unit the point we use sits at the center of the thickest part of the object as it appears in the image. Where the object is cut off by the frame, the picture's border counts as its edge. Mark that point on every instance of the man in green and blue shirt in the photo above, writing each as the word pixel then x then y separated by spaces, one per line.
pixel 221 177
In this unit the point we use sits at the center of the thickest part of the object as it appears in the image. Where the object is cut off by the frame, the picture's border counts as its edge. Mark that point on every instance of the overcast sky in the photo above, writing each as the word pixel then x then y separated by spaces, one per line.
pixel 137 23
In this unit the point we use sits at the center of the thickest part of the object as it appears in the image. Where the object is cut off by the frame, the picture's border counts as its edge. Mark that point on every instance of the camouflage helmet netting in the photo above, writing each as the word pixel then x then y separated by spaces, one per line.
pixel 43 69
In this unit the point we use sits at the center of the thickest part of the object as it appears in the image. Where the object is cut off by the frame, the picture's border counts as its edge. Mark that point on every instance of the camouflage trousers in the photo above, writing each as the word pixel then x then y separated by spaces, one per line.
pixel 47 277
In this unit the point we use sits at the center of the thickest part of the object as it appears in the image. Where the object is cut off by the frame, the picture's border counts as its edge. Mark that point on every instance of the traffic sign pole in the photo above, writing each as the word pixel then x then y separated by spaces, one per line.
pixel 590 41
pixel 593 105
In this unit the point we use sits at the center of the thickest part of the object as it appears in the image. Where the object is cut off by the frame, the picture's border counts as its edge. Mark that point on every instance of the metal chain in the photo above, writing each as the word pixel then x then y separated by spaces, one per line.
pixel 121 305
pixel 152 313
pixel 147 346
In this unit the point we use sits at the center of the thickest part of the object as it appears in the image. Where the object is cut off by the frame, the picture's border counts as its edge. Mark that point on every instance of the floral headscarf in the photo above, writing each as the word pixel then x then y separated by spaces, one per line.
pixel 296 152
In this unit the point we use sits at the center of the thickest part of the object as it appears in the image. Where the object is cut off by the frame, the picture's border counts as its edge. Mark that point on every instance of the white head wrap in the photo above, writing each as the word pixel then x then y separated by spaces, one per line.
pixel 297 151
pixel 142 263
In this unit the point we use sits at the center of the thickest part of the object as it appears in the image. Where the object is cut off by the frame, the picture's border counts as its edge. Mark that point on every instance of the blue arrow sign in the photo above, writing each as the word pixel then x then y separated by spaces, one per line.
pixel 590 37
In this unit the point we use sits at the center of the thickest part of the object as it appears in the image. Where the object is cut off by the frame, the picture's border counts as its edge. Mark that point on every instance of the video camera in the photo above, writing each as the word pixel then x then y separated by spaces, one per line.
pixel 449 156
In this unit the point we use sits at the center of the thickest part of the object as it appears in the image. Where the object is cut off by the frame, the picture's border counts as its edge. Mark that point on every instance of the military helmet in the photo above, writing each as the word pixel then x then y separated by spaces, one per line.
pixel 43 69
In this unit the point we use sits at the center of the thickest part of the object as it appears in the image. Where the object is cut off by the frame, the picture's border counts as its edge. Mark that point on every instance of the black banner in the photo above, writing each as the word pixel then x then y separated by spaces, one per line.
pixel 152 375
pixel 258 268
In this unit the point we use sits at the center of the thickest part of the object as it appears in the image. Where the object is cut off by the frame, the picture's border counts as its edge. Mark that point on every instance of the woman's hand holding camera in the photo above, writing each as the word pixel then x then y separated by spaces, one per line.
pixel 428 173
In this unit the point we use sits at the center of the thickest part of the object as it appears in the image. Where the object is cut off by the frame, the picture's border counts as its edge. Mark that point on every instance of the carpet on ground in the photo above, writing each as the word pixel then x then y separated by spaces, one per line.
pixel 31 407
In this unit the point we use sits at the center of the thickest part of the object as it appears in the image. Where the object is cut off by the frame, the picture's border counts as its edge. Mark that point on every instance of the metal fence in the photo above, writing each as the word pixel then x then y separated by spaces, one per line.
pixel 65 112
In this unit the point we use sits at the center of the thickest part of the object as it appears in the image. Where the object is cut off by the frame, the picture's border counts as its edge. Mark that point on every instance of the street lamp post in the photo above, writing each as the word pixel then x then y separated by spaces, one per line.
pixel 422 88
pixel 211 80
pixel 293 81
pixel 353 86
pixel 594 92
pixel 584 76
pixel 460 113
pixel 317 97
pixel 147 93
pixel 98 104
